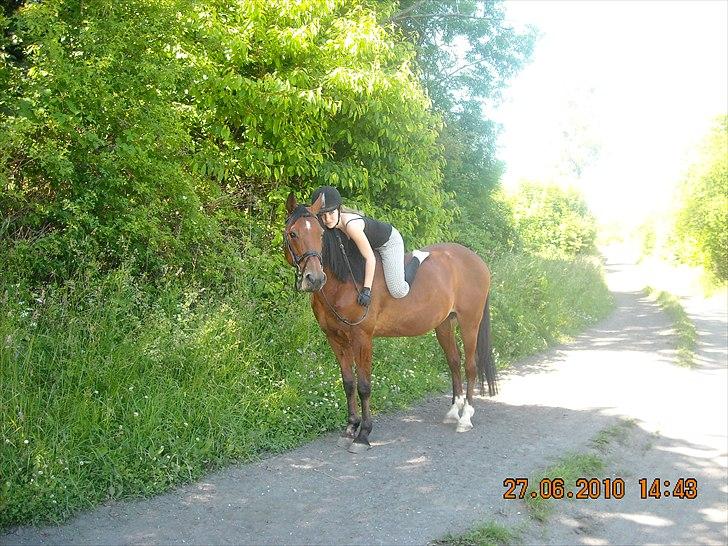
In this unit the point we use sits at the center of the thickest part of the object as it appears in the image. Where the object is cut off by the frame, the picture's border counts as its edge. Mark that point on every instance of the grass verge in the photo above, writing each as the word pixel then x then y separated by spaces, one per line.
pixel 538 302
pixel 487 534
pixel 113 389
pixel 568 468
pixel 687 335
pixel 572 466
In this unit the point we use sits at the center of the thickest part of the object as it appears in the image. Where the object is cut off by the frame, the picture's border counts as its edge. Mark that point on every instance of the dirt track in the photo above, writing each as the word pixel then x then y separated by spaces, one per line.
pixel 422 480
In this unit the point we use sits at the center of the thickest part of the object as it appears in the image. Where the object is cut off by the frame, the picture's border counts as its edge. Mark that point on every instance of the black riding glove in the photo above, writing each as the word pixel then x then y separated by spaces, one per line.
pixel 365 297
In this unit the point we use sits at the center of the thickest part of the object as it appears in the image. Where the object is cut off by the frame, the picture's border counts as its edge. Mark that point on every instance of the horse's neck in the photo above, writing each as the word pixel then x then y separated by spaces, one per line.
pixel 334 286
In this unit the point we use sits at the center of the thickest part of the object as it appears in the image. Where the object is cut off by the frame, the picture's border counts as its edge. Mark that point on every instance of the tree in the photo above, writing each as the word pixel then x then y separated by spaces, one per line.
pixel 701 224
pixel 466 56
pixel 147 133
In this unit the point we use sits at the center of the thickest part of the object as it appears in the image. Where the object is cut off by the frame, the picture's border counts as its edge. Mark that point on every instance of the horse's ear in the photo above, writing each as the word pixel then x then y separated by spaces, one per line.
pixel 316 206
pixel 291 203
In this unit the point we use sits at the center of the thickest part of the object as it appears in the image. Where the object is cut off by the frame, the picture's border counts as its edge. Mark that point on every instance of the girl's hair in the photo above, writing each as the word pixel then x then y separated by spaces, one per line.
pixel 334 259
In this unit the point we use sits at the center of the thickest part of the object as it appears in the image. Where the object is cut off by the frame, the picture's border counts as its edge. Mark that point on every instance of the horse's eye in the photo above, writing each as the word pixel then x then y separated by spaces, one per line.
pixel 293 235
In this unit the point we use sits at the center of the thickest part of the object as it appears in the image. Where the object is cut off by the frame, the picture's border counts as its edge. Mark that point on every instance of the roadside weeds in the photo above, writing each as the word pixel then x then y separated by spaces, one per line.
pixel 686 333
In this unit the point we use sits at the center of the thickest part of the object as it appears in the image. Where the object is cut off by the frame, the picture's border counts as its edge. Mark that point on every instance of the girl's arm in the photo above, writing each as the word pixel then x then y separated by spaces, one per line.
pixel 355 230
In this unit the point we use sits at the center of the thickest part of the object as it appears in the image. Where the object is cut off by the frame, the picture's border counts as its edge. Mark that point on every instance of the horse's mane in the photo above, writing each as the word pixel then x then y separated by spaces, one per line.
pixel 334 259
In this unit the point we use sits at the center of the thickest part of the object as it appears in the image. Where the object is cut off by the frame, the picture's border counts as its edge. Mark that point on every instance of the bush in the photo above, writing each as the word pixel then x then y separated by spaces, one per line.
pixel 553 221
pixel 145 133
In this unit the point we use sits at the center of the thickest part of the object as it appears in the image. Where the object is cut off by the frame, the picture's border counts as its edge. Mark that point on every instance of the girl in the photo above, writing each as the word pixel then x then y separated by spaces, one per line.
pixel 368 235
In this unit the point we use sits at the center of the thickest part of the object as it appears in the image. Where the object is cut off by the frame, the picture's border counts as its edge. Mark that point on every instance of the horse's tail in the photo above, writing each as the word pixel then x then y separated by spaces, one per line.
pixel 485 362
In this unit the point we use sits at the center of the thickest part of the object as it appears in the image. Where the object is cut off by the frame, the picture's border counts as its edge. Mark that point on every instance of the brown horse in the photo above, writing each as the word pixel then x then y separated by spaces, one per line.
pixel 451 284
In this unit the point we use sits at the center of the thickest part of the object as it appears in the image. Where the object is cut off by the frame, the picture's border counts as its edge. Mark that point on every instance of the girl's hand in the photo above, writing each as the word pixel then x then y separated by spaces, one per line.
pixel 365 297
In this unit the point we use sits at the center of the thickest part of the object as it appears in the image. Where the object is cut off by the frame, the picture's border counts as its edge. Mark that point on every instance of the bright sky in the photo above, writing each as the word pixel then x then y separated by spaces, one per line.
pixel 643 79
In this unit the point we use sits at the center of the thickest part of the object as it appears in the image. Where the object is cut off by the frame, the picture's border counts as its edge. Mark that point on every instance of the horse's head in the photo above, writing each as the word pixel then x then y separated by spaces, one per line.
pixel 303 238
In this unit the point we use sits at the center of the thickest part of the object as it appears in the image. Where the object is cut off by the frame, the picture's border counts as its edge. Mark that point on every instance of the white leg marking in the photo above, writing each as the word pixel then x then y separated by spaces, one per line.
pixel 464 423
pixel 453 415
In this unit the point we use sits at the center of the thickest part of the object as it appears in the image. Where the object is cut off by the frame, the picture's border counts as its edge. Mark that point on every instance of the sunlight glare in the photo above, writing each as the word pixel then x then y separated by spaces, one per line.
pixel 641 81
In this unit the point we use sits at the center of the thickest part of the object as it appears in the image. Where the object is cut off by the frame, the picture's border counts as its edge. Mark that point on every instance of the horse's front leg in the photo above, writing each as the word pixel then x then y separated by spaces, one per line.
pixel 363 354
pixel 345 356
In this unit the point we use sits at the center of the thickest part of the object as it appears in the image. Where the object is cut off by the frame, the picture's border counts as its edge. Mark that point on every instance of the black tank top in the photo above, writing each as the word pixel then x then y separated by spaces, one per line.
pixel 377 232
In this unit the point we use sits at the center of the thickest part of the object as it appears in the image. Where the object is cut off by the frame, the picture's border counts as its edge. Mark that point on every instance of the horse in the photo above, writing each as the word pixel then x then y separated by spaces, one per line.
pixel 451 285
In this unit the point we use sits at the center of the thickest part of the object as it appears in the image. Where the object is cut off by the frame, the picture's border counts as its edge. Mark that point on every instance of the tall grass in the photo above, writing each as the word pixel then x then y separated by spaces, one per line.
pixel 538 301
pixel 111 389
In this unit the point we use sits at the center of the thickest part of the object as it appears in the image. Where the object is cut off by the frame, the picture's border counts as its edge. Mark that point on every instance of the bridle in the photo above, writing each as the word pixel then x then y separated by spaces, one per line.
pixel 300 259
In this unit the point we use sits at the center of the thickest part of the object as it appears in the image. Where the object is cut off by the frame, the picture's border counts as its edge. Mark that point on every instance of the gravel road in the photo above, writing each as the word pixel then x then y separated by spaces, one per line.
pixel 422 480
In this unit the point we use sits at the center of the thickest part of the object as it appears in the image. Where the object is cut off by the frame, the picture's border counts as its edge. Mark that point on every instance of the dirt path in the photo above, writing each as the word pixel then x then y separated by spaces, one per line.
pixel 422 480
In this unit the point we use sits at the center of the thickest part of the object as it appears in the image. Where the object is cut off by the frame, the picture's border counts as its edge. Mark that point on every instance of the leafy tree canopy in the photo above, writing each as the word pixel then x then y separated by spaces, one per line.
pixel 467 54
pixel 143 130
pixel 701 224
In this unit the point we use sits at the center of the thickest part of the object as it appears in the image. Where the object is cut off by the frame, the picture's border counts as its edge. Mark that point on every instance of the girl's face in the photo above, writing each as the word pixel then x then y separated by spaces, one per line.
pixel 329 219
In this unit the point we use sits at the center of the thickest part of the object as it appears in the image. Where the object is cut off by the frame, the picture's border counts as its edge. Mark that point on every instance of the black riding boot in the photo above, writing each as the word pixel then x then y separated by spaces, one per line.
pixel 410 270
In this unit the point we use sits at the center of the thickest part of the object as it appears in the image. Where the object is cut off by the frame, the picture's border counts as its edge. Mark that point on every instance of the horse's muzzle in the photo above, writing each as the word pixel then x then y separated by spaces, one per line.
pixel 312 282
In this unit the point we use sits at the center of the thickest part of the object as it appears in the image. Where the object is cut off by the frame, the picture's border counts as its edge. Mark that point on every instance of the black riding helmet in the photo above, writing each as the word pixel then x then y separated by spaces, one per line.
pixel 331 198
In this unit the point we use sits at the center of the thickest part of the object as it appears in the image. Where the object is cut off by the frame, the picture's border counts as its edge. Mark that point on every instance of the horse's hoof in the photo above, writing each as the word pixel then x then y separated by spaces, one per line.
pixel 463 428
pixel 344 441
pixel 356 447
pixel 449 420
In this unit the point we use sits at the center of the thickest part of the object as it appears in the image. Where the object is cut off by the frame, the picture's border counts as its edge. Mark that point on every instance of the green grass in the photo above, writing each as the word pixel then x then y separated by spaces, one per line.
pixel 569 468
pixel 615 434
pixel 538 302
pixel 113 389
pixel 687 335
pixel 572 466
pixel 487 534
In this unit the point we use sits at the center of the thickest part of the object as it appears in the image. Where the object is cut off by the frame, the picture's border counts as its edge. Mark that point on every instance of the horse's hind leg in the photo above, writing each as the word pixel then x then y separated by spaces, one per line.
pixel 469 333
pixel 446 337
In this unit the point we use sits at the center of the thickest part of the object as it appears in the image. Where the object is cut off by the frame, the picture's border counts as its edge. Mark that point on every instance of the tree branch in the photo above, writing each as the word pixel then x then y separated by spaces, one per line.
pixel 403 14
pixel 444 16
pixel 451 74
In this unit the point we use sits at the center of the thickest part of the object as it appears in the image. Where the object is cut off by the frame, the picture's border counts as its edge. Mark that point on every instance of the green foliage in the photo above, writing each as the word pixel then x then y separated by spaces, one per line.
pixel 553 220
pixel 686 334
pixel 701 225
pixel 466 55
pixel 485 221
pixel 569 468
pixel 486 225
pixel 465 52
pixel 143 132
pixel 486 534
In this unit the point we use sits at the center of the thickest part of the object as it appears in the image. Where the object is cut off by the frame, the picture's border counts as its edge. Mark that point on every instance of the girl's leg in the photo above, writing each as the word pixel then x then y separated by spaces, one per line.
pixel 392 253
